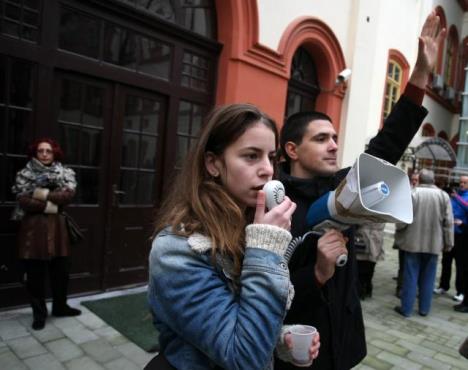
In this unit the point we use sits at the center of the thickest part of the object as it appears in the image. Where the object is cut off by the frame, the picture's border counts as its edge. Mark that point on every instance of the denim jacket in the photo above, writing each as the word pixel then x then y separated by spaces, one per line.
pixel 205 317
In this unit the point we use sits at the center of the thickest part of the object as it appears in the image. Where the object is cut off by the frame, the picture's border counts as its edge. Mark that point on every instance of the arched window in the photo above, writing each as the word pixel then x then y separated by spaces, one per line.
pixel 451 55
pixel 392 86
pixel 303 87
pixel 396 79
pixel 443 23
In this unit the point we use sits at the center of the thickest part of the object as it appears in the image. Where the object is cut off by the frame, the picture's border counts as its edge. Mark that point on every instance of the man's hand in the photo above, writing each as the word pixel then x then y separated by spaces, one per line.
pixel 330 245
pixel 430 41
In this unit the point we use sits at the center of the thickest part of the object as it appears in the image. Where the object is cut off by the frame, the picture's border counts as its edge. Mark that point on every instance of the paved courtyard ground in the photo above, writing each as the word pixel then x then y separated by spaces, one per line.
pixel 87 343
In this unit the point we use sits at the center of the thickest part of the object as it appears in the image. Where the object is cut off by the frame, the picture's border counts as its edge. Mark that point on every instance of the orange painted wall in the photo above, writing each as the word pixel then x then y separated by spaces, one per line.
pixel 251 72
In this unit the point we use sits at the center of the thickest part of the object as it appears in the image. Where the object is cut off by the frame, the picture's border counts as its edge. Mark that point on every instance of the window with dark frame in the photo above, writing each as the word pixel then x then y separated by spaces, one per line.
pixel 21 19
pixel 16 119
pixel 303 86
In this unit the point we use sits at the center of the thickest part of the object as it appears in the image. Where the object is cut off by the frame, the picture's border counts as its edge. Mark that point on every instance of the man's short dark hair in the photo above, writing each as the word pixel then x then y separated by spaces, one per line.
pixel 295 127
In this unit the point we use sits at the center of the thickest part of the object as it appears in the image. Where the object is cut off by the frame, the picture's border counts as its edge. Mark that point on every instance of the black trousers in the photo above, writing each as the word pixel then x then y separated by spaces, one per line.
pixel 463 253
pixel 58 270
pixel 365 274
pixel 447 259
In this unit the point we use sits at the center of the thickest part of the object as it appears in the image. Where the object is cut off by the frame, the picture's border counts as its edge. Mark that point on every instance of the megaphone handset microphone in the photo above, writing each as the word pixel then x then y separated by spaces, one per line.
pixel 274 193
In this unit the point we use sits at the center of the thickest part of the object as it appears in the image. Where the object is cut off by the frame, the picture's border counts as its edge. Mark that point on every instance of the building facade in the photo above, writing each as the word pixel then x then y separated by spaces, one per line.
pixel 124 86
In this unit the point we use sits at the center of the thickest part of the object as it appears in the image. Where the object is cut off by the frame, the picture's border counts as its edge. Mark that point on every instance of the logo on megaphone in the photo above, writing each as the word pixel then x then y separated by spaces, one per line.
pixel 374 190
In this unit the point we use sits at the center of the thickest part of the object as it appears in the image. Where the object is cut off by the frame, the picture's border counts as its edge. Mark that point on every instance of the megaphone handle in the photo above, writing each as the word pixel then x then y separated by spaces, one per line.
pixel 341 260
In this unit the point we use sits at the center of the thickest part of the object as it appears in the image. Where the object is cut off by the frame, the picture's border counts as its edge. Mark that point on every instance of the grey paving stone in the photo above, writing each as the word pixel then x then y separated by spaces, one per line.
pixel 91 321
pixel 8 361
pixel 50 332
pixel 65 322
pixel 121 364
pixel 79 334
pixel 83 363
pixel 111 335
pixel 138 355
pixel 101 351
pixel 10 329
pixel 44 362
pixel 427 361
pixel 64 349
pixel 25 347
pixel 457 361
pixel 398 361
pixel 376 363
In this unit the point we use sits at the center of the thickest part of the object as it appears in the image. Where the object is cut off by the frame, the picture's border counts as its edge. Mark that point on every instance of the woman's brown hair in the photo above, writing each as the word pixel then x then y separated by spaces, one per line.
pixel 200 203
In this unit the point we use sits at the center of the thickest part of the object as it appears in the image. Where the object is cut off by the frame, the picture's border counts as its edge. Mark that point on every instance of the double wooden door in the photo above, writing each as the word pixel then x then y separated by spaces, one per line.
pixel 112 137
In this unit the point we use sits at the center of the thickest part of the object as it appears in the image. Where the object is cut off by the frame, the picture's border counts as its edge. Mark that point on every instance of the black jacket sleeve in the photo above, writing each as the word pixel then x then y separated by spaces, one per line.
pixel 398 130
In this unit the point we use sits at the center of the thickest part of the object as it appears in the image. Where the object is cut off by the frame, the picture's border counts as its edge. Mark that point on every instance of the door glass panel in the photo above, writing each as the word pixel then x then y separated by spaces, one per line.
pixel 19 122
pixel 20 19
pixel 78 33
pixel 188 127
pixel 128 184
pixel 81 125
pixel 155 58
pixel 70 140
pixel 140 137
pixel 130 150
pixel 88 182
pixel 90 140
pixel 93 107
pixel 147 152
pixel 21 85
pixel 146 181
pixel 70 102
pixel 150 116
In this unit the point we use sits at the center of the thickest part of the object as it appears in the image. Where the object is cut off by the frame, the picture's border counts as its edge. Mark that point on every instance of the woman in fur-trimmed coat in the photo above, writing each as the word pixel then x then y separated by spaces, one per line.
pixel 42 189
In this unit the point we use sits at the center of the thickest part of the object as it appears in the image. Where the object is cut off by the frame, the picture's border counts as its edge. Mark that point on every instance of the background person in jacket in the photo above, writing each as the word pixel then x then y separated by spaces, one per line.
pixel 219 282
pixel 326 296
pixel 42 188
pixel 422 242
pixel 369 244
pixel 460 213
pixel 459 204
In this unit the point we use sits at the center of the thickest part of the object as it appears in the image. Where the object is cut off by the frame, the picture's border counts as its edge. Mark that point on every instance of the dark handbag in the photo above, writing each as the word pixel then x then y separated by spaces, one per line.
pixel 74 232
pixel 159 362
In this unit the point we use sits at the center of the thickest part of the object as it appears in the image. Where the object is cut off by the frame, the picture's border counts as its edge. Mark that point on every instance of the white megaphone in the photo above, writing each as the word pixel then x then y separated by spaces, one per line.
pixel 374 191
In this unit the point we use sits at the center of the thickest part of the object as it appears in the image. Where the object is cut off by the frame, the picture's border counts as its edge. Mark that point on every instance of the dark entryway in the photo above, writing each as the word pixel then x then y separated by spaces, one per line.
pixel 123 86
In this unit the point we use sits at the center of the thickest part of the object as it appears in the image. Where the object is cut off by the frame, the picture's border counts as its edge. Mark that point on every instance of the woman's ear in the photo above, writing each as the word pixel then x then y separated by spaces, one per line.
pixel 291 150
pixel 212 164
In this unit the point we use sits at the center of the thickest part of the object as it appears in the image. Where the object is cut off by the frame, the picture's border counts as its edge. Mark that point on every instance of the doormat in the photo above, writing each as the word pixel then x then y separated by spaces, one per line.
pixel 129 315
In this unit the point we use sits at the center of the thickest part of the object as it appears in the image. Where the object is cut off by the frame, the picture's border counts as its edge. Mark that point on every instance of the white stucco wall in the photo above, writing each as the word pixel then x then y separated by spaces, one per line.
pixel 366 30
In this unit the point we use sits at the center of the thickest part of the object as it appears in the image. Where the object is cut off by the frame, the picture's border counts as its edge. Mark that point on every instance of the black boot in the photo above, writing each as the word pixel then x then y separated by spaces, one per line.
pixel 60 269
pixel 34 283
pixel 65 310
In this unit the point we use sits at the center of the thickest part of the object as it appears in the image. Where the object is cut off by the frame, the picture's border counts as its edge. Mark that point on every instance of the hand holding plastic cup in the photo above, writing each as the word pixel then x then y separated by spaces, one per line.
pixel 301 339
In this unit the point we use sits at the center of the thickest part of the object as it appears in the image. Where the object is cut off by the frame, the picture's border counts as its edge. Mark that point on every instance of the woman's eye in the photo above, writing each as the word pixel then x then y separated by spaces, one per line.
pixel 251 156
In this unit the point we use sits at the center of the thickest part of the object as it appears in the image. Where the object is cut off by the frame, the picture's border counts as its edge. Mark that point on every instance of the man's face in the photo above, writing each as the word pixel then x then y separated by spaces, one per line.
pixel 414 180
pixel 316 154
pixel 463 182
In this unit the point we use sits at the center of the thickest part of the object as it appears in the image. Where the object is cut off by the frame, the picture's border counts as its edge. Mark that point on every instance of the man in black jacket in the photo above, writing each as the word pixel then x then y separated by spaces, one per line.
pixel 325 295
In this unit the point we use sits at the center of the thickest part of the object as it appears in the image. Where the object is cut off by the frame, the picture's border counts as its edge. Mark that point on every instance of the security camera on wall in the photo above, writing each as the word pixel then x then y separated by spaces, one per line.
pixel 343 76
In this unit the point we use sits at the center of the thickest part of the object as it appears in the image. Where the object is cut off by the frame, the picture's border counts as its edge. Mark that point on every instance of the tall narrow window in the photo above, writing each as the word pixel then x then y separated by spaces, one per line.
pixel 395 81
pixel 462 149
pixel 392 86
pixel 451 54
pixel 303 87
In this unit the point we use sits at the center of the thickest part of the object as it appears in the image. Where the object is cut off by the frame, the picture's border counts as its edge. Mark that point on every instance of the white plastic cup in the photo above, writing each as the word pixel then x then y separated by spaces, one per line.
pixel 301 338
